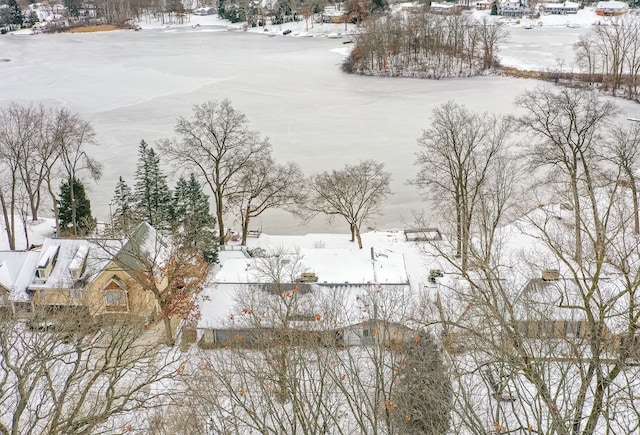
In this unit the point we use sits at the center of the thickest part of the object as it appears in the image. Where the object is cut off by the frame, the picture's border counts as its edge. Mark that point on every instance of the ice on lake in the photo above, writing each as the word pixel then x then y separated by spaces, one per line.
pixel 133 85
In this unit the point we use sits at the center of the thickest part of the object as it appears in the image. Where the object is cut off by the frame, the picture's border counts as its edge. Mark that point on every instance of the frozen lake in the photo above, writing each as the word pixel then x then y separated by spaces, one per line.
pixel 133 85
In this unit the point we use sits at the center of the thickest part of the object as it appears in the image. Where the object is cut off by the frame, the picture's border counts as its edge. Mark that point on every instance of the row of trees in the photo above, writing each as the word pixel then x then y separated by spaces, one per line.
pixel 425 45
pixel 39 146
pixel 542 352
pixel 610 56
pixel 235 163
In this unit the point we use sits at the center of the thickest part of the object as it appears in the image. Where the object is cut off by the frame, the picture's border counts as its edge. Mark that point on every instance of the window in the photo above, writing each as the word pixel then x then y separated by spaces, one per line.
pixel 116 300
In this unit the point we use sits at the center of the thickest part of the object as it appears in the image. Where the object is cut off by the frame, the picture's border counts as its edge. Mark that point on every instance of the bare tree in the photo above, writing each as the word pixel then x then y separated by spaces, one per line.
pixel 217 144
pixel 356 192
pixel 623 150
pixel 78 376
pixel 566 127
pixel 19 128
pixel 267 185
pixel 458 159
pixel 491 34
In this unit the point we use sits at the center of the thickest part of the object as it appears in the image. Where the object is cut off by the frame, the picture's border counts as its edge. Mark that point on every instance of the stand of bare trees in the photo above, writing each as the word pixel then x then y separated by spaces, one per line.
pixel 77 377
pixel 39 146
pixel 609 55
pixel 425 45
pixel 542 333
pixel 461 157
pixel 217 144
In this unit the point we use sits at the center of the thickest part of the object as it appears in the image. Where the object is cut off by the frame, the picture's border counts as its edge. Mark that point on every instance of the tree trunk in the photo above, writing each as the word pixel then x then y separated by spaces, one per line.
pixel 168 332
pixel 358 236
pixel 10 237
pixel 245 226
pixel 576 215
pixel 220 220
pixel 56 213
pixel 636 213
pixel 72 196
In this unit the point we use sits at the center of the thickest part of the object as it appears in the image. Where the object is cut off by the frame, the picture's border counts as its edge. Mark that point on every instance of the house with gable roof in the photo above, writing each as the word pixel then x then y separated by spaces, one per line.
pixel 96 277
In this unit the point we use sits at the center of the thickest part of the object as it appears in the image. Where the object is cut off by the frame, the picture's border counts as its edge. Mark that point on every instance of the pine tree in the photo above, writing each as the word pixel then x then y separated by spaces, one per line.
pixel 494 8
pixel 15 13
pixel 123 219
pixel 192 223
pixel 152 197
pixel 422 399
pixel 85 222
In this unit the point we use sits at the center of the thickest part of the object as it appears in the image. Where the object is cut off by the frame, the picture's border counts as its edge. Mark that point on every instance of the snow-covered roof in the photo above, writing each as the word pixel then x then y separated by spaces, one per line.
pixel 337 265
pixel 612 5
pixel 565 5
pixel 143 246
pixel 17 271
pixel 79 257
pixel 70 254
pixel 48 255
pixel 230 306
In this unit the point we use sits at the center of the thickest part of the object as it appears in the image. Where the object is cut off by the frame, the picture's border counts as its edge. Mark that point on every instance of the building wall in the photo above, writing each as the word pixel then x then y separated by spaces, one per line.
pixel 140 302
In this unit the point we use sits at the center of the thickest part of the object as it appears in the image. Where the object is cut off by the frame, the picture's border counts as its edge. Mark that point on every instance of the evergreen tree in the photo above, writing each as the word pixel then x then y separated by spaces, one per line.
pixel 379 6
pixel 423 398
pixel 73 6
pixel 152 197
pixel 192 223
pixel 123 219
pixel 15 13
pixel 33 18
pixel 494 8
pixel 85 222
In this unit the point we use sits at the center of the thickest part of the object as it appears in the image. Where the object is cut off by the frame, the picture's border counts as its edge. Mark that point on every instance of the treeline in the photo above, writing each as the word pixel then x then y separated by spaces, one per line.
pixel 609 56
pixel 425 45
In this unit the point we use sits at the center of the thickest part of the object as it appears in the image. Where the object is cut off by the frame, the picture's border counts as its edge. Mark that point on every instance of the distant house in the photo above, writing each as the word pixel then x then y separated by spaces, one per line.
pixel 207 10
pixel 511 9
pixel 87 11
pixel 483 5
pixel 443 8
pixel 561 8
pixel 611 8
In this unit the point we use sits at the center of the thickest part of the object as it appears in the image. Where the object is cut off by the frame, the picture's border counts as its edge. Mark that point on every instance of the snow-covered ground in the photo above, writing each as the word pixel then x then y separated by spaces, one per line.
pixel 133 85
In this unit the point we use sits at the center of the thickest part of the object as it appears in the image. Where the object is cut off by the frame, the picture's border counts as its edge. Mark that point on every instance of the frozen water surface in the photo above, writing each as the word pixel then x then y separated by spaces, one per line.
pixel 133 85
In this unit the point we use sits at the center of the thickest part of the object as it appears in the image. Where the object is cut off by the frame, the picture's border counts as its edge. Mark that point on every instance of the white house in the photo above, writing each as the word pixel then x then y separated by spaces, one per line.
pixel 561 8
pixel 611 8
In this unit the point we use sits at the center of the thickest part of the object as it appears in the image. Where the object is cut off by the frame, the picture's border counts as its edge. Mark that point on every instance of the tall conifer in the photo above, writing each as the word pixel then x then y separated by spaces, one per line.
pixel 191 219
pixel 123 218
pixel 151 196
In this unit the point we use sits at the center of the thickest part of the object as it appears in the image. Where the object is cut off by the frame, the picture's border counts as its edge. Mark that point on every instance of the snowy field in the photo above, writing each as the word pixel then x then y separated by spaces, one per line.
pixel 133 85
